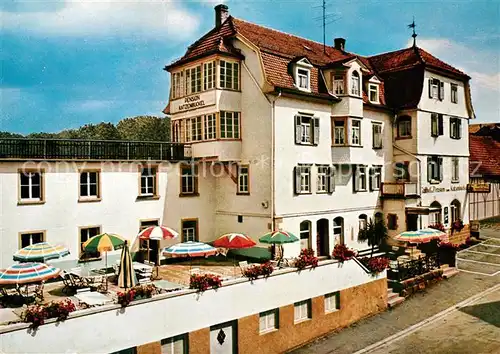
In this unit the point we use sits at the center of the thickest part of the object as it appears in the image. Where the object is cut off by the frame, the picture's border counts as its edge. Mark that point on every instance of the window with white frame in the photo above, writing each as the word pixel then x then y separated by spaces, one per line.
pixel 30 183
pixel 338 229
pixel 306 129
pixel 30 238
pixel 377 135
pixel 455 128
pixel 229 125
pixel 373 93
pixel 338 84
pixel 356 132
pixel 305 234
pixel 189 181
pixel 148 181
pixel 455 169
pixel 194 129
pixel 268 321
pixel 89 184
pixel 339 132
pixel 332 302
pixel 302 311
pixel 175 345
pixel 359 178
pixel 303 78
pixel 434 169
pixel 243 179
pixel 210 127
pixel 454 93
pixel 189 230
pixel 355 83
pixel 208 75
pixel 193 80
pixel 229 75
pixel 303 179
pixel 375 178
pixel 85 234
pixel 178 84
pixel 322 179
pixel 176 131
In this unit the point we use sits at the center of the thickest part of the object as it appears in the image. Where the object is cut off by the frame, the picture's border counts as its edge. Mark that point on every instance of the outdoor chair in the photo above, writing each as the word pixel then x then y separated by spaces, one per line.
pixel 69 284
pixel 79 281
pixel 35 290
pixel 243 265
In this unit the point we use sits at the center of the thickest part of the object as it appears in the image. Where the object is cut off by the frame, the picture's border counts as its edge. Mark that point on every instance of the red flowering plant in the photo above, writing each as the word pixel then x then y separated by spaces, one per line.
pixel 306 258
pixel 437 226
pixel 457 225
pixel 376 264
pixel 253 272
pixel 125 297
pixel 202 282
pixel 136 293
pixel 448 246
pixel 37 314
pixel 343 253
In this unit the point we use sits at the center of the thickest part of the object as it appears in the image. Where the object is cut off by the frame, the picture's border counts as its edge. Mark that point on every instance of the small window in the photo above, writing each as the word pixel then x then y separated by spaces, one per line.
pixel 89 185
pixel 362 221
pixel 194 126
pixel 189 230
pixel 268 321
pixel 229 75
pixel 332 302
pixel 305 234
pixel 455 169
pixel 30 238
pixel 176 131
pixel 404 127
pixel 339 132
pixel 189 180
pixel 338 229
pixel 175 345
pixel 322 179
pixel 85 234
pixel 436 89
pixel 356 132
pixel 193 80
pixel 454 93
pixel 338 84
pixel 373 93
pixel 243 180
pixel 375 178
pixel 377 135
pixel 303 179
pixel 355 83
pixel 31 186
pixel 148 182
pixel 209 127
pixel 303 78
pixel 208 75
pixel 359 178
pixel 392 221
pixel 229 125
pixel 302 311
pixel 434 169
pixel 455 128
pixel 436 124
pixel 178 84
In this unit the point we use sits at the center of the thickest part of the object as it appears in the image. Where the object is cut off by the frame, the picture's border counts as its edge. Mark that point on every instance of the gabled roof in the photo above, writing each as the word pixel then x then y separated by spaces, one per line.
pixel 484 152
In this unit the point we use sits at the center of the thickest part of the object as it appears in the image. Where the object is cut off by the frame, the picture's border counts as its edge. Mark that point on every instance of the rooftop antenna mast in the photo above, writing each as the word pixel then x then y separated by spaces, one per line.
pixel 326 19
pixel 324 26
pixel 414 35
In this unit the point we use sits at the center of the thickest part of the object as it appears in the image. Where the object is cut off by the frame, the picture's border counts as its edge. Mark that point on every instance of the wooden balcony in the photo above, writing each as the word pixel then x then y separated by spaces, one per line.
pixel 399 190
pixel 69 149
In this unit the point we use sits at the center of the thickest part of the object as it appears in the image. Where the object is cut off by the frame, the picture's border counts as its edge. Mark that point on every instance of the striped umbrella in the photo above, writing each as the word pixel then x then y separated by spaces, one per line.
pixel 234 241
pixel 158 233
pixel 23 273
pixel 189 249
pixel 126 275
pixel 422 236
pixel 278 237
pixel 40 252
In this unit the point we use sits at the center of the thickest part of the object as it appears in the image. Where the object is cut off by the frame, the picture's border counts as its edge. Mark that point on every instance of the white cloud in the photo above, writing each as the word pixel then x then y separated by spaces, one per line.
pixel 107 17
pixel 483 66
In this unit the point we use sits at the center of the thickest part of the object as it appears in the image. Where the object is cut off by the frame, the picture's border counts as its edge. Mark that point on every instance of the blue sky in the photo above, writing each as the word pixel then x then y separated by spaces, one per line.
pixel 65 63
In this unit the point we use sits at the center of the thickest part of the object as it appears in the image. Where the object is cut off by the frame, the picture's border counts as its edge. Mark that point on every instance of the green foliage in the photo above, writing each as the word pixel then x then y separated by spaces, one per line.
pixel 375 233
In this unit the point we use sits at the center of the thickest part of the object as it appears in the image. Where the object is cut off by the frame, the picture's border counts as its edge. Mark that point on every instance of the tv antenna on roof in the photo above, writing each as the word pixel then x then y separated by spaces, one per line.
pixel 414 35
pixel 326 18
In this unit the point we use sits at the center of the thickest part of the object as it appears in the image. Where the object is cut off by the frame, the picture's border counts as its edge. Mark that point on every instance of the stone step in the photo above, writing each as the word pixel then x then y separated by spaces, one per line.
pixel 449 272
pixel 395 301
pixel 391 295
pixel 444 266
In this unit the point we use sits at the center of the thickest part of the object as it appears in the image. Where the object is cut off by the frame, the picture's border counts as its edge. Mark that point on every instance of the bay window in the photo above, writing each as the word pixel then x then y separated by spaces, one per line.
pixel 229 75
pixel 229 125
pixel 193 80
pixel 355 84
pixel 209 127
pixel 178 84
pixel 339 132
pixel 209 75
pixel 356 132
pixel 338 84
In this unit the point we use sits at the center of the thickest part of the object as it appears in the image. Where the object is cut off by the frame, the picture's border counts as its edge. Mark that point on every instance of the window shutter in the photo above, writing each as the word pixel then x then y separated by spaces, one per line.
pixel 296 174
pixel 429 169
pixel 316 130
pixel 298 130
pixel 355 181
pixel 430 88
pixel 440 124
pixel 441 90
pixel 459 128
pixel 371 175
pixel 440 167
pixel 374 142
pixel 331 179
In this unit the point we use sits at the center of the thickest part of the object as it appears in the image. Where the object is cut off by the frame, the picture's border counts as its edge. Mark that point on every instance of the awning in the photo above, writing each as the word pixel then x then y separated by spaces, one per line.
pixel 422 210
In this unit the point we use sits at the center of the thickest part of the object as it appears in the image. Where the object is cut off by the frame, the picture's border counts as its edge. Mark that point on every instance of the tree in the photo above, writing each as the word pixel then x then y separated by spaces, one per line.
pixel 144 128
pixel 10 135
pixel 374 232
pixel 101 131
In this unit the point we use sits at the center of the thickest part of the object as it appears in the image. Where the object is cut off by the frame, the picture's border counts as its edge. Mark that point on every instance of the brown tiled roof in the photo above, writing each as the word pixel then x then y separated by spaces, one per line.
pixel 432 61
pixel 166 110
pixel 484 152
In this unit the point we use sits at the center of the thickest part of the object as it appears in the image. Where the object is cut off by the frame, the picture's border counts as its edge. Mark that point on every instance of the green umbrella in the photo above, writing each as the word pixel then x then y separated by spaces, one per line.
pixel 279 237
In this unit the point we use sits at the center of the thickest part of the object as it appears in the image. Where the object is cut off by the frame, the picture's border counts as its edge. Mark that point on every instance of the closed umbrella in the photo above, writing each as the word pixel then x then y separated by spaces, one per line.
pixel 40 252
pixel 104 243
pixel 279 237
pixel 126 275
pixel 23 273
pixel 158 233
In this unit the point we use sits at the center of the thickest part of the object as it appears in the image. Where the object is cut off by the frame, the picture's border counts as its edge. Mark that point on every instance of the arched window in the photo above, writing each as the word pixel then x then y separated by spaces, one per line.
pixel 363 221
pixel 455 210
pixel 338 230
pixel 435 216
pixel 305 234
pixel 355 84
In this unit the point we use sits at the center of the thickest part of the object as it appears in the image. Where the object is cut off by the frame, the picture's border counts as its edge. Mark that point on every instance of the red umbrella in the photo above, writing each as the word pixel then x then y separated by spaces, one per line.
pixel 158 233
pixel 234 241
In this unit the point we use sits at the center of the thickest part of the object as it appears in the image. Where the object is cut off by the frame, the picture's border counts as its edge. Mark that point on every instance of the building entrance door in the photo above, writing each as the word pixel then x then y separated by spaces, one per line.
pixel 322 237
pixel 412 222
pixel 224 338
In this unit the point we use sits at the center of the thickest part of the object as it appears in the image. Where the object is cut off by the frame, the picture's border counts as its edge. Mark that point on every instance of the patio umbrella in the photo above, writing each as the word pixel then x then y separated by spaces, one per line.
pixel 158 233
pixel 104 243
pixel 23 273
pixel 279 237
pixel 189 249
pixel 40 252
pixel 126 275
pixel 422 236
pixel 234 241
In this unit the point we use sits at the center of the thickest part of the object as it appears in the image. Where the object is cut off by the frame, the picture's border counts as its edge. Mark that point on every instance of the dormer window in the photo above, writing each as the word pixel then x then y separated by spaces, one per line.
pixel 338 84
pixel 373 94
pixel 303 78
pixel 355 83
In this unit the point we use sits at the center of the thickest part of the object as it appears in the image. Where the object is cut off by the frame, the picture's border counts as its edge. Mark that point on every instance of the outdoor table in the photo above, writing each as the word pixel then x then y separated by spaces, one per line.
pixel 93 298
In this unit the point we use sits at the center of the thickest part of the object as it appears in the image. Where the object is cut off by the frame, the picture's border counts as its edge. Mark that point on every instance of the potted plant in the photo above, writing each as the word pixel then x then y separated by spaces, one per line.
pixel 306 258
pixel 343 253
pixel 253 272
pixel 375 233
pixel 457 225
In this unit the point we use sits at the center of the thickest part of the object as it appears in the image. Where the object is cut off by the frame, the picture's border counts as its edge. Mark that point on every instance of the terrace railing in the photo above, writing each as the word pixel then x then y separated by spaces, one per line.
pixel 399 189
pixel 409 269
pixel 69 149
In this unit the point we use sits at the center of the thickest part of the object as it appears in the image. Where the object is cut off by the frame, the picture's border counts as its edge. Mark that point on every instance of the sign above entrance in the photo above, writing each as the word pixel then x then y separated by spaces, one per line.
pixel 193 102
pixel 433 189
pixel 479 188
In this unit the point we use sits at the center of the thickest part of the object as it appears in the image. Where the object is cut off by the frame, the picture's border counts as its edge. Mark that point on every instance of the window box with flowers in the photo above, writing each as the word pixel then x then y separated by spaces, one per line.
pixel 255 271
pixel 136 293
pixel 343 253
pixel 306 259
pixel 37 314
pixel 202 282
pixel 375 265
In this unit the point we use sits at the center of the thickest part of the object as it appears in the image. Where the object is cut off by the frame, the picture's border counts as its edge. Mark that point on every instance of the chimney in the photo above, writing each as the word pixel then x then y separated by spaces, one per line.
pixel 339 43
pixel 221 14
